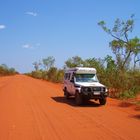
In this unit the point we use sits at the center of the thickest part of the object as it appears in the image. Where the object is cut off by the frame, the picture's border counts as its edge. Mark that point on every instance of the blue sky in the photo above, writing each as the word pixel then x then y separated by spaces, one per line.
pixel 31 30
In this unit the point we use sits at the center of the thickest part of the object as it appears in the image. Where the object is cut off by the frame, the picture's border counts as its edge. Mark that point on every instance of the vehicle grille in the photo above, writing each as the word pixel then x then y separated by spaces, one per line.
pixel 96 88
pixel 92 89
pixel 99 89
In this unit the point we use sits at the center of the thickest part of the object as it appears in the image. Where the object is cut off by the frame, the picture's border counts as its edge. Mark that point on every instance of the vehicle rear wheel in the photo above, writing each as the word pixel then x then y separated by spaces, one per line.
pixel 102 101
pixel 78 99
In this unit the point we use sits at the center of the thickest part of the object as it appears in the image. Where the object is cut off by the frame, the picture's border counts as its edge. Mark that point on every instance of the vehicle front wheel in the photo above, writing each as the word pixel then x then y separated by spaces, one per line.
pixel 78 99
pixel 66 94
pixel 102 101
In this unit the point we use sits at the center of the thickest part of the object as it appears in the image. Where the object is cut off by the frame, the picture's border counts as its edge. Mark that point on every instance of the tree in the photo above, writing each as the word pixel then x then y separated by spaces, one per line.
pixel 111 75
pixel 5 70
pixel 98 64
pixel 111 66
pixel 60 75
pixel 52 74
pixel 123 47
pixel 75 61
pixel 94 62
pixel 4 66
pixel 12 70
pixel 36 65
pixel 48 62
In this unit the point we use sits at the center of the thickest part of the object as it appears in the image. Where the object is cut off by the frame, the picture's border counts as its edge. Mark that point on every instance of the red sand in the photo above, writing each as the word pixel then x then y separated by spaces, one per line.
pixel 32 109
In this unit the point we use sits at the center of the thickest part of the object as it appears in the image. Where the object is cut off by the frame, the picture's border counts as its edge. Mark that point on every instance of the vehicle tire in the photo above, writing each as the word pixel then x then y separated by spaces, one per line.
pixel 66 94
pixel 78 99
pixel 102 101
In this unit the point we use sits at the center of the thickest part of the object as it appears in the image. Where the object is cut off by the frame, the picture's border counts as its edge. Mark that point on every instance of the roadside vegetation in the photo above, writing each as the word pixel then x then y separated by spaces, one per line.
pixel 120 72
pixel 46 70
pixel 5 70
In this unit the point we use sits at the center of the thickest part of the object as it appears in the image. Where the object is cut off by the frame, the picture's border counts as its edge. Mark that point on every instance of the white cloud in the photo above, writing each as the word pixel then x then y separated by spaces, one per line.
pixel 27 46
pixel 2 26
pixel 30 46
pixel 32 14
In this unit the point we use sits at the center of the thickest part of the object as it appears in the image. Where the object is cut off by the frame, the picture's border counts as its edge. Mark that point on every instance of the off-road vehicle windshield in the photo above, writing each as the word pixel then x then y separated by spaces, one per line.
pixel 86 78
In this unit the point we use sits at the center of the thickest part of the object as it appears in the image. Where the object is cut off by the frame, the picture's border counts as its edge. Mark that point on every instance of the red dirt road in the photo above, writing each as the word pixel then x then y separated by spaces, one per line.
pixel 32 109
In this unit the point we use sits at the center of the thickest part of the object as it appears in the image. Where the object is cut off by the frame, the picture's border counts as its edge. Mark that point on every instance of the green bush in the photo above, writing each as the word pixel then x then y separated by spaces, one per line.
pixel 122 83
pixel 131 93
pixel 4 70
pixel 129 84
pixel 53 74
pixel 37 74
pixel 60 76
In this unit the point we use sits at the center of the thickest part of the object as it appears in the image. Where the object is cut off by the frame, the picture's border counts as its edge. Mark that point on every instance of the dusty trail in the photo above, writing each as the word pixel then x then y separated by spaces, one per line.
pixel 32 109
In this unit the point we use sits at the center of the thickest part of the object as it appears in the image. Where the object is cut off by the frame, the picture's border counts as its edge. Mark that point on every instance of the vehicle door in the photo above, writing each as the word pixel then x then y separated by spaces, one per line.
pixel 72 87
pixel 68 82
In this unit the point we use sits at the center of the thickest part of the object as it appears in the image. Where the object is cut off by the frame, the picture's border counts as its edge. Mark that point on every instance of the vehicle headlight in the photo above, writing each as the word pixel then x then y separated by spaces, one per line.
pixel 103 89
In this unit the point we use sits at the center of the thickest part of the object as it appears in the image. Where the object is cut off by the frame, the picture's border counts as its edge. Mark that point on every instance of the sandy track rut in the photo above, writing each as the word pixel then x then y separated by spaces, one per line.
pixel 32 109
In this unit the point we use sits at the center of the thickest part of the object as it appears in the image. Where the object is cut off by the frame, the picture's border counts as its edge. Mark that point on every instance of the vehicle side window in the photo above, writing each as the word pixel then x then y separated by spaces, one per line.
pixel 72 77
pixel 67 76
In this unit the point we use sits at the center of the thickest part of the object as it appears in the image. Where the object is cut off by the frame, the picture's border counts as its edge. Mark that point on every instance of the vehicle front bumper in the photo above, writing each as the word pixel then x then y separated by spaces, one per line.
pixel 94 95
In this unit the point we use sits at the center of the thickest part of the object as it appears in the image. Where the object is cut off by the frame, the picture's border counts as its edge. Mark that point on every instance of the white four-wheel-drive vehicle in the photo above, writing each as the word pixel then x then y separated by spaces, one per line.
pixel 83 84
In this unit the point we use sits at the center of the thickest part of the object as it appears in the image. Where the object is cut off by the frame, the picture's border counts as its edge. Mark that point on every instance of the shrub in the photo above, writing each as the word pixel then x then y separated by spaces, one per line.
pixel 53 74
pixel 4 70
pixel 131 93
pixel 37 74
